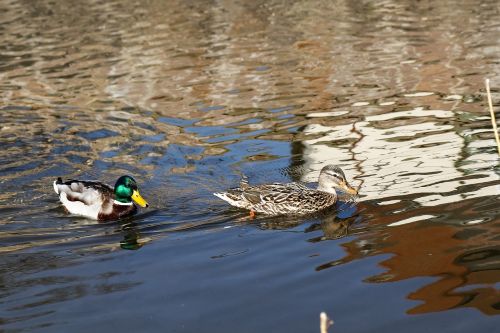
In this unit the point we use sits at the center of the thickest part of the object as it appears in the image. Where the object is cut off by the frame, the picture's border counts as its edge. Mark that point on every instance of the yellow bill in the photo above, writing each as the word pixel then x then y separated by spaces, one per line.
pixel 348 189
pixel 138 199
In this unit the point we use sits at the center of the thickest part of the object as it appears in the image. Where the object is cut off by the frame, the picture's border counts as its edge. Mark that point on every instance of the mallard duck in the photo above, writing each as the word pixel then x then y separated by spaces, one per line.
pixel 100 201
pixel 291 198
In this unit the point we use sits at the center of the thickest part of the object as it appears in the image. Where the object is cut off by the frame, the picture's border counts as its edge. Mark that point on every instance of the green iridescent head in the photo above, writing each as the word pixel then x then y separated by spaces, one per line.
pixel 126 190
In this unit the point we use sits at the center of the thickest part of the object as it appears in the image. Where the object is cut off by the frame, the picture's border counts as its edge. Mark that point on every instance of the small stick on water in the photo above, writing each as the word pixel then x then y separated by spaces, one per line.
pixel 493 121
pixel 324 322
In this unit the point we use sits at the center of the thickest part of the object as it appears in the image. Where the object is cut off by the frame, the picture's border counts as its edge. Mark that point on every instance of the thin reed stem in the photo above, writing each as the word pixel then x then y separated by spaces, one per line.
pixel 493 121
pixel 324 322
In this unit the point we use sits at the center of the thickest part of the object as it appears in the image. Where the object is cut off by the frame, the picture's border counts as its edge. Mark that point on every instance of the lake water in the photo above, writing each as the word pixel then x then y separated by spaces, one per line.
pixel 188 96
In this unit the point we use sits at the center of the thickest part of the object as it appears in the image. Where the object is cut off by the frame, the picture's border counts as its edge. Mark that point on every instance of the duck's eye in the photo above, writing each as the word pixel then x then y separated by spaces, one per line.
pixel 334 175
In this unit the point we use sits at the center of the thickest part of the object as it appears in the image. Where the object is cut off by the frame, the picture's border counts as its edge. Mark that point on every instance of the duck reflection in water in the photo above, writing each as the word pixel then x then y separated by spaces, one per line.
pixel 131 237
pixel 334 222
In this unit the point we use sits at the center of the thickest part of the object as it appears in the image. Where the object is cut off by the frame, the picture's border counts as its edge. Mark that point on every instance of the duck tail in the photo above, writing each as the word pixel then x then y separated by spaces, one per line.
pixel 221 195
pixel 229 198
pixel 57 182
pixel 225 196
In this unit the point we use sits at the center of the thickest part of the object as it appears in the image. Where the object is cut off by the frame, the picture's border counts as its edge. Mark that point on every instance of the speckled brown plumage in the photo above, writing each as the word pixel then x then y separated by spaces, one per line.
pixel 291 198
pixel 277 198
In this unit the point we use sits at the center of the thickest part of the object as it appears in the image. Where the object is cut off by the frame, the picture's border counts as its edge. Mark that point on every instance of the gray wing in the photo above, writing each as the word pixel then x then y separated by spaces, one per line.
pixel 85 191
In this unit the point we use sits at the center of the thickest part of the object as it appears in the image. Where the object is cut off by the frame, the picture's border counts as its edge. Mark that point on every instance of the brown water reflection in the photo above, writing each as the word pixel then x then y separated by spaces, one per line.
pixel 464 261
pixel 189 95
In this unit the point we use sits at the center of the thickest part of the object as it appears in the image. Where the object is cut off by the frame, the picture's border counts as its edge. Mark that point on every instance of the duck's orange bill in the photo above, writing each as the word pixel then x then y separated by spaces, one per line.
pixel 138 199
pixel 349 189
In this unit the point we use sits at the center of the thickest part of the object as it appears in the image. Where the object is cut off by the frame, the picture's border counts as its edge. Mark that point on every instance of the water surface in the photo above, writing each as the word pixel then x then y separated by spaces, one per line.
pixel 189 96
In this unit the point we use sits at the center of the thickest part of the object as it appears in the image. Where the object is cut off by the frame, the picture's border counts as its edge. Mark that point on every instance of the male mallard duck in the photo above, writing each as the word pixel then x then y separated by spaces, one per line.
pixel 100 201
pixel 291 198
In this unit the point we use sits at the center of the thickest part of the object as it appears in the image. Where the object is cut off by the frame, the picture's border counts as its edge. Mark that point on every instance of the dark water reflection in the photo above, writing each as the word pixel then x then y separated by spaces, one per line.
pixel 187 96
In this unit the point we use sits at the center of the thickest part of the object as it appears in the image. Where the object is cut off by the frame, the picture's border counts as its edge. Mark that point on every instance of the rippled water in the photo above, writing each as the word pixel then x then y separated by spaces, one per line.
pixel 187 96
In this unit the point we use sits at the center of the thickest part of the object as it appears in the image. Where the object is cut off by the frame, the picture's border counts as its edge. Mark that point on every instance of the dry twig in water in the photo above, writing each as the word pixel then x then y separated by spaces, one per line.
pixel 493 121
pixel 324 322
